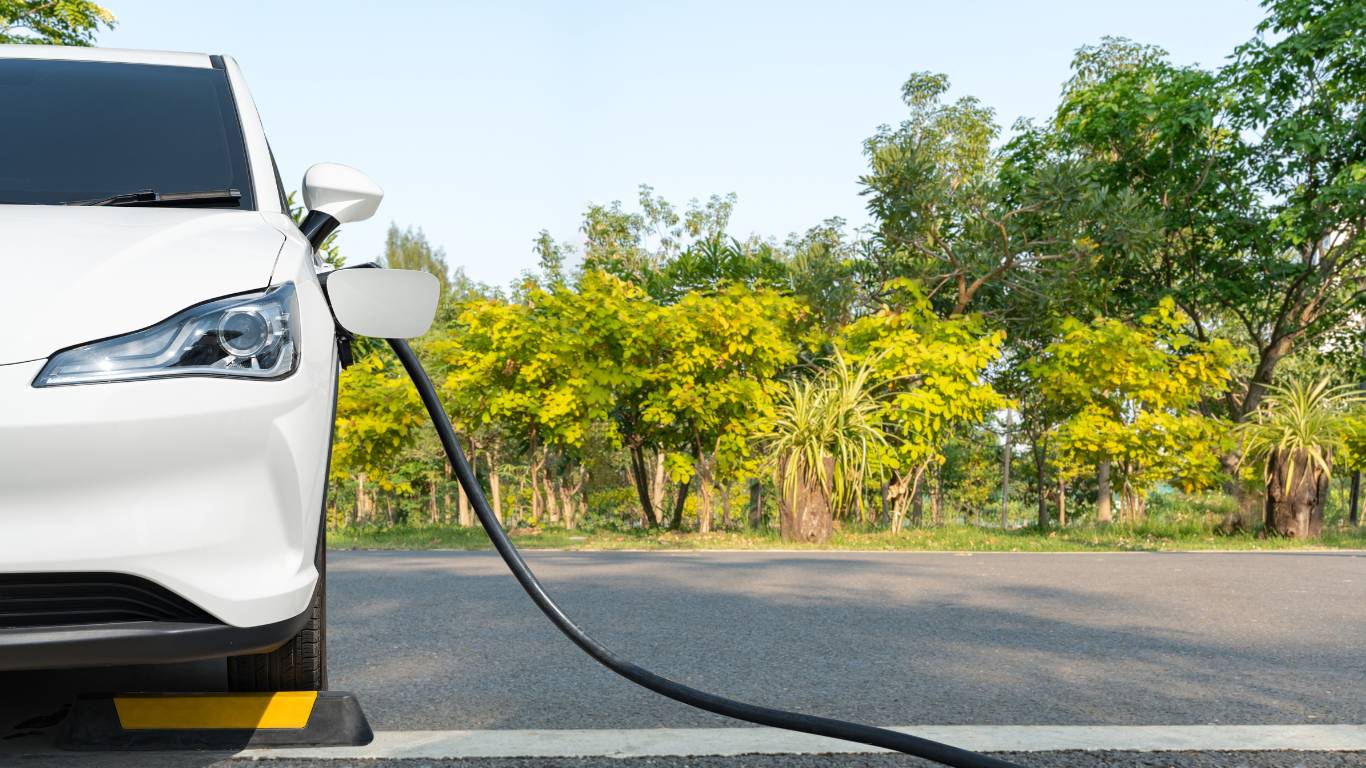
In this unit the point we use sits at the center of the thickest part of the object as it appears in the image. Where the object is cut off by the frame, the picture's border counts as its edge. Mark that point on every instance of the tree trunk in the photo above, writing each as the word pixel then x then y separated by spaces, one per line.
pixel 657 488
pixel 1005 477
pixel 433 488
pixel 569 497
pixel 534 470
pixel 446 507
pixel 1295 511
pixel 467 519
pixel 567 507
pixel 683 488
pixel 464 507
pixel 1103 514
pixel 640 476
pixel 936 499
pixel 1062 503
pixel 756 505
pixel 704 497
pixel 1040 469
pixel 552 511
pixel 497 494
pixel 1133 501
pixel 705 491
pixel 360 498
pixel 902 490
pixel 1353 504
pixel 804 512
pixel 333 520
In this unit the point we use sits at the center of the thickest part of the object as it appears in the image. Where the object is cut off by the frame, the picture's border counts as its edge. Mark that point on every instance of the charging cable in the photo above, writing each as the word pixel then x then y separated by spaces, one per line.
pixel 776 718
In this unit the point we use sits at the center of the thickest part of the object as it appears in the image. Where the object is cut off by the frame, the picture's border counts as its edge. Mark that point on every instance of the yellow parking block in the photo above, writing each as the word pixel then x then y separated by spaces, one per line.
pixel 180 711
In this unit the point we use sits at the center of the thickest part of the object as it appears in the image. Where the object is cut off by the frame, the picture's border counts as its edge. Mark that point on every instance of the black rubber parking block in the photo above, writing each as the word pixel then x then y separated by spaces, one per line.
pixel 148 721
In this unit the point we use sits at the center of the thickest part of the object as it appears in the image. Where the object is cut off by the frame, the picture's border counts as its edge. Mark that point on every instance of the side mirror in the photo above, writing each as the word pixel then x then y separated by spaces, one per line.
pixel 334 195
pixel 384 303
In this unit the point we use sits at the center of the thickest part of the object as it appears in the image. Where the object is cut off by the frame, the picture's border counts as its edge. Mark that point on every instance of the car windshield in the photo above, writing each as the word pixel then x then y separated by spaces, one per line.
pixel 75 130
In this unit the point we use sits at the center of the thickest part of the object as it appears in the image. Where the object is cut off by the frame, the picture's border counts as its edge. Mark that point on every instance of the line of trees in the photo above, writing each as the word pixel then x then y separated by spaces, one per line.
pixel 1109 297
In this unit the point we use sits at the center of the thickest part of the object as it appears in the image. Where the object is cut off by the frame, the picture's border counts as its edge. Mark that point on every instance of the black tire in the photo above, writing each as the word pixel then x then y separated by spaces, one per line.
pixel 298 665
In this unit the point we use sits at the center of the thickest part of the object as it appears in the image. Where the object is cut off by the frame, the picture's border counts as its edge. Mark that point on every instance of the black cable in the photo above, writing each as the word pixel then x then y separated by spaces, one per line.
pixel 776 718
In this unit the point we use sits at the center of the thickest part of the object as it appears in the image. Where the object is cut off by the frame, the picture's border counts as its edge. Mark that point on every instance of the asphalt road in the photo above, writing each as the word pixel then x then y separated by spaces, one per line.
pixel 447 640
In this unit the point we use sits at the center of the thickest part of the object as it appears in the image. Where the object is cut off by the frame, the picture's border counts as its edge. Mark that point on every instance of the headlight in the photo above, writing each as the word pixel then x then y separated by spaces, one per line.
pixel 250 336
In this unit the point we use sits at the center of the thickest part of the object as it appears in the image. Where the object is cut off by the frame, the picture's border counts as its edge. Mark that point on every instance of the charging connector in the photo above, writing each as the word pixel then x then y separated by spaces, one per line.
pixel 776 718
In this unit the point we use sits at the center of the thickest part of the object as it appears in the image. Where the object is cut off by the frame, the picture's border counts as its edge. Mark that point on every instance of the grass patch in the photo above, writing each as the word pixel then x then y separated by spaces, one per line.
pixel 1146 537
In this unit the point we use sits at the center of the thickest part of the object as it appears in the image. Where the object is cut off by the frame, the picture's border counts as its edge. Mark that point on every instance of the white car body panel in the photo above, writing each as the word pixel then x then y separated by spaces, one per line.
pixel 211 487
pixel 83 274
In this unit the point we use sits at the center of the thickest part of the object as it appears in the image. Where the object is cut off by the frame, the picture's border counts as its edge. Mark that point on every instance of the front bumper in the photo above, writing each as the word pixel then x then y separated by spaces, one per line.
pixel 212 488
pixel 138 642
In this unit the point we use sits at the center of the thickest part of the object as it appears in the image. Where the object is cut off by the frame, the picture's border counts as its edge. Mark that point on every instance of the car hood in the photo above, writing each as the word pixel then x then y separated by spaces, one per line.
pixel 73 275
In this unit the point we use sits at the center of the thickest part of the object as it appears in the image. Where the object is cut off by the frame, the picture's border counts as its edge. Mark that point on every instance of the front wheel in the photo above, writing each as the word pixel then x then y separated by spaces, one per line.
pixel 298 665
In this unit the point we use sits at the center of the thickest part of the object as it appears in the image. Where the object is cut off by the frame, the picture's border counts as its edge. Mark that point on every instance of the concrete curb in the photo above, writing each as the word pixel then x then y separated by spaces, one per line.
pixel 739 741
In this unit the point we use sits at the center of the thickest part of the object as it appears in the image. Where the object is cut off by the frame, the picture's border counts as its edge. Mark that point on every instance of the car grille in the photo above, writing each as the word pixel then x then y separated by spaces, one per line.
pixel 55 599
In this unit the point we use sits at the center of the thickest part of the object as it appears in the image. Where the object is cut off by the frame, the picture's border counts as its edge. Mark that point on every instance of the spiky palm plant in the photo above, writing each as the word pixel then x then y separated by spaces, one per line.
pixel 1296 431
pixel 822 433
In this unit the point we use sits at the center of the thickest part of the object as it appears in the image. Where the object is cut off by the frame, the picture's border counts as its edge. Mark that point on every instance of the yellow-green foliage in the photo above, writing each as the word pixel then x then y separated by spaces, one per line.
pixel 558 363
pixel 1134 387
pixel 547 368
pixel 933 368
pixel 378 410
pixel 713 379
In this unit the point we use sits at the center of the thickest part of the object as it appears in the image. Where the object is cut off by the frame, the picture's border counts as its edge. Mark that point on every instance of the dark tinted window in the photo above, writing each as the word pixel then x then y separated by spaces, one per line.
pixel 77 130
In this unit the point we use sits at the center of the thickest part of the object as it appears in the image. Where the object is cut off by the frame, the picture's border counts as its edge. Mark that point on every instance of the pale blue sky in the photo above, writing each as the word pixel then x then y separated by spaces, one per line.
pixel 486 122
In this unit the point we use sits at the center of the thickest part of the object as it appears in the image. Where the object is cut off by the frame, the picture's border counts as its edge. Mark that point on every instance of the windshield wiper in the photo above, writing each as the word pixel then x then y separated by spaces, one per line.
pixel 148 197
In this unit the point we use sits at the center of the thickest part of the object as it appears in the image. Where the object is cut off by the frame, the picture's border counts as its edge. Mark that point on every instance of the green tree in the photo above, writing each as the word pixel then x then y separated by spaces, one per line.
pixel 1135 388
pixel 933 372
pixel 640 246
pixel 946 214
pixel 969 470
pixel 408 249
pixel 53 22
pixel 712 382
pixel 824 266
pixel 551 257
pixel 1258 172
pixel 378 415
pixel 546 370
pixel 708 266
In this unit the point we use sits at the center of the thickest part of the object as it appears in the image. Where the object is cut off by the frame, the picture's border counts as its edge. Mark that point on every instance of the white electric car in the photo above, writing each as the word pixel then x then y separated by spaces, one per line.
pixel 167 373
